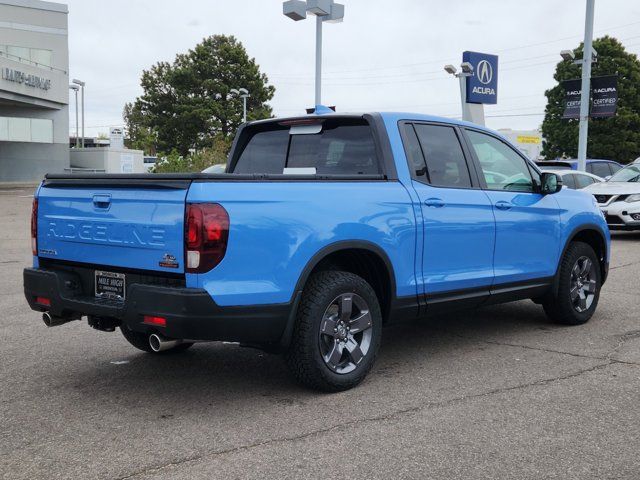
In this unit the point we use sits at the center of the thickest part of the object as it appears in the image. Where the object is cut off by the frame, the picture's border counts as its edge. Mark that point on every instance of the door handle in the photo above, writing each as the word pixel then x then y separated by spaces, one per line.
pixel 434 202
pixel 503 205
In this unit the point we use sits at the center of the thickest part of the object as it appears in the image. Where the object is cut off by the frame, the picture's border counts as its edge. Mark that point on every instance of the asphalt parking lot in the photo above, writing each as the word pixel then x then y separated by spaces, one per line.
pixel 493 394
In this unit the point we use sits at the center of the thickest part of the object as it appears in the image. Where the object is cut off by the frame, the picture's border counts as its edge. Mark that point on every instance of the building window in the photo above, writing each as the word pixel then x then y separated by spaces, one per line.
pixel 33 130
pixel 38 57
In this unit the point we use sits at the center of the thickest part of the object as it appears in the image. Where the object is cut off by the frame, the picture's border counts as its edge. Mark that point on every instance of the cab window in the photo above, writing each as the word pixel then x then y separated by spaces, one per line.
pixel 445 162
pixel 502 167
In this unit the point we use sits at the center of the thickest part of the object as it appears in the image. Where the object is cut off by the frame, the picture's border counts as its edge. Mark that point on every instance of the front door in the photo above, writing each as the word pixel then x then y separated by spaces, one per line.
pixel 527 222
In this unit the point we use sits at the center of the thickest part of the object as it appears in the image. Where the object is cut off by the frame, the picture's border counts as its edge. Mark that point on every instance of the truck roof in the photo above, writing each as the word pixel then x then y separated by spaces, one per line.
pixel 386 116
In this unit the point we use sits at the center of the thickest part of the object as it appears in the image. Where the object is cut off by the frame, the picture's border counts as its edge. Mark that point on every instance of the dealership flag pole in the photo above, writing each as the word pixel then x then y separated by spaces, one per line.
pixel 587 58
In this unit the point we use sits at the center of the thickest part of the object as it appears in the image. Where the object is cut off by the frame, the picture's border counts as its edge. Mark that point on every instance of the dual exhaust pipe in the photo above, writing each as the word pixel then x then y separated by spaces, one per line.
pixel 54 320
pixel 157 342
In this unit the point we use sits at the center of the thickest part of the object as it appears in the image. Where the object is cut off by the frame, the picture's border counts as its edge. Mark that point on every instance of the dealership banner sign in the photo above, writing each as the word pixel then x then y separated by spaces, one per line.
pixel 482 86
pixel 604 96
pixel 573 90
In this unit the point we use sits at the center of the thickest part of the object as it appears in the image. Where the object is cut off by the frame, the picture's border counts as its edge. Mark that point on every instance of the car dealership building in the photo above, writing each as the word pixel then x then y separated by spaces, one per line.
pixel 34 90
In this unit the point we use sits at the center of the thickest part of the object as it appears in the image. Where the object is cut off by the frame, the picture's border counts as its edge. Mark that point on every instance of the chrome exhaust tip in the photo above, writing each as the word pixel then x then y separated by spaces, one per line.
pixel 158 343
pixel 53 320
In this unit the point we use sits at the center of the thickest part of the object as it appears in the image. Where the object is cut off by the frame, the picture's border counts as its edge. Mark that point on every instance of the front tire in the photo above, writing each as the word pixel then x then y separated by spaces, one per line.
pixel 337 333
pixel 579 286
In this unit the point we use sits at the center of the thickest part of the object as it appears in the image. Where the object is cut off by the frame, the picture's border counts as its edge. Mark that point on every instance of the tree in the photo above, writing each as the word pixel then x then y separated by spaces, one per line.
pixel 186 104
pixel 616 138
pixel 194 162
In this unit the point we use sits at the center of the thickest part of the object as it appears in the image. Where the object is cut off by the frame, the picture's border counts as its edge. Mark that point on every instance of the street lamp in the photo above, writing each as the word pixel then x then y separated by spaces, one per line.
pixel 81 84
pixel 75 88
pixel 243 93
pixel 467 71
pixel 325 11
pixel 589 56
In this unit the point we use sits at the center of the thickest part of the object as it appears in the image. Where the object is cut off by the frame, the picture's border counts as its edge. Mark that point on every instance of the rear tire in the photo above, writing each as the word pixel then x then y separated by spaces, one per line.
pixel 141 342
pixel 337 333
pixel 579 286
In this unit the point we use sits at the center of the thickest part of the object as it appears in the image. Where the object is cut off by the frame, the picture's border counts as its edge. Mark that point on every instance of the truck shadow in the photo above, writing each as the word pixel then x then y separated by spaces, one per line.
pixel 227 376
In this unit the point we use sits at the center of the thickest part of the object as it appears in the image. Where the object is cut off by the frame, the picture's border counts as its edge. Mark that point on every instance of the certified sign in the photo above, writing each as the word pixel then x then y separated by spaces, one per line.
pixel 482 86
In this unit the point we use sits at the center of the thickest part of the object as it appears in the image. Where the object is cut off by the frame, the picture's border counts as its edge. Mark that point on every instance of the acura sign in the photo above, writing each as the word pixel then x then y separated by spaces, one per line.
pixel 482 86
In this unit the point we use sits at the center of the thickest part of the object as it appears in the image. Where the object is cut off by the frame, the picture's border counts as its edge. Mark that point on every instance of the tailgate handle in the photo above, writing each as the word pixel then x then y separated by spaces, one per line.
pixel 102 201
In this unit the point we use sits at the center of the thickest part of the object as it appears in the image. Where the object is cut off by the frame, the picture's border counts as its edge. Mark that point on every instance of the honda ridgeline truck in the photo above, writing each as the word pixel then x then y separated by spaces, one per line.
pixel 323 229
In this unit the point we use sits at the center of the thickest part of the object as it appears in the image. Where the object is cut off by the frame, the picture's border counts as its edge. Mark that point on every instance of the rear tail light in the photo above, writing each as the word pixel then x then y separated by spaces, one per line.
pixel 34 227
pixel 206 235
pixel 43 301
pixel 154 320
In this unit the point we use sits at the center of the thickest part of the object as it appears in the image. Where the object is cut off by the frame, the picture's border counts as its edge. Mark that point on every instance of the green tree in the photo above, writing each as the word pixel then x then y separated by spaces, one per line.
pixel 616 138
pixel 186 104
pixel 139 136
pixel 174 162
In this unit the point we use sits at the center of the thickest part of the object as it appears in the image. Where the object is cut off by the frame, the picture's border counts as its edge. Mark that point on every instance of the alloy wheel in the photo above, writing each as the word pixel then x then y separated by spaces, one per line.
pixel 583 284
pixel 345 333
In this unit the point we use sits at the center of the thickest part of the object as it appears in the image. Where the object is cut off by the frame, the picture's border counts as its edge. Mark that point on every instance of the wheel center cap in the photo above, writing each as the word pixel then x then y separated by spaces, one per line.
pixel 342 331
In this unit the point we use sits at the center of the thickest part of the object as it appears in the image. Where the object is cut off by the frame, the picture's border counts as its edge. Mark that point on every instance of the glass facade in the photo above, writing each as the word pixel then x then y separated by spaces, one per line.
pixel 38 57
pixel 32 130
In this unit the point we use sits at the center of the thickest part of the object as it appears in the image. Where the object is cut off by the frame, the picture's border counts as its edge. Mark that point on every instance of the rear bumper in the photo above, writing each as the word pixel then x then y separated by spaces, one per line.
pixel 190 313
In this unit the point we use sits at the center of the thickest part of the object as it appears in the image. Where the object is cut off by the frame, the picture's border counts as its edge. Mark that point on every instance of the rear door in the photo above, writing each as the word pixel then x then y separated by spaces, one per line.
pixel 131 227
pixel 458 223
pixel 527 222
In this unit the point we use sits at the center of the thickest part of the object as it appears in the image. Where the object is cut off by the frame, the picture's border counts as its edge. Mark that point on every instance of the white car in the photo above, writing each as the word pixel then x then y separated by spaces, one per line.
pixel 619 198
pixel 575 179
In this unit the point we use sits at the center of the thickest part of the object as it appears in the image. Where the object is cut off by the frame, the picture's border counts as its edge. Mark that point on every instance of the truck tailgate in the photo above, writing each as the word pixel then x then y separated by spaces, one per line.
pixel 133 227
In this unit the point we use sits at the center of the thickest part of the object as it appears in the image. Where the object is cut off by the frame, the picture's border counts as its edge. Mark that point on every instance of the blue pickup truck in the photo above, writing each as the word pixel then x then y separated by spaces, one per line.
pixel 323 229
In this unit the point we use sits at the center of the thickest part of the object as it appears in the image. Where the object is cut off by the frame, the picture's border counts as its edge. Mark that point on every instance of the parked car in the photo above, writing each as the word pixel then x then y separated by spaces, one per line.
pixel 215 169
pixel 619 198
pixel 325 228
pixel 601 168
pixel 575 179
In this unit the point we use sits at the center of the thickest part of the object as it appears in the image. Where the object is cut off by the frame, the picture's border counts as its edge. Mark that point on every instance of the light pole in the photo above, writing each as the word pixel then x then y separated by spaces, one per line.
pixel 467 71
pixel 243 93
pixel 325 11
pixel 589 56
pixel 75 88
pixel 81 84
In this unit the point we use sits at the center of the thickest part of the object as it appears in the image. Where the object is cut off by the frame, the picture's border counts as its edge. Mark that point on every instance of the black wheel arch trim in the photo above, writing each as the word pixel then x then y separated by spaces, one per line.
pixel 604 264
pixel 318 257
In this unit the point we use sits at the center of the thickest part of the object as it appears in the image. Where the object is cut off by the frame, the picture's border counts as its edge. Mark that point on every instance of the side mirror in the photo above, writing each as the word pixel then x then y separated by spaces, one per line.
pixel 606 179
pixel 551 183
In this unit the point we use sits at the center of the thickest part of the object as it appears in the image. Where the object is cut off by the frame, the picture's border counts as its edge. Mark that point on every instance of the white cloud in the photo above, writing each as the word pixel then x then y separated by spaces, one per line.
pixel 387 55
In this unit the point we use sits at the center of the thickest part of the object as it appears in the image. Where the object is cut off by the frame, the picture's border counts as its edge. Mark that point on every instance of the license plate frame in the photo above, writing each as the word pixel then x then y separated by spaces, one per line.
pixel 110 285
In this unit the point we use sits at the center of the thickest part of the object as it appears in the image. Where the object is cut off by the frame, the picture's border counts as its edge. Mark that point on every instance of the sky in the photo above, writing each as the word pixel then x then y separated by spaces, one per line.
pixel 385 56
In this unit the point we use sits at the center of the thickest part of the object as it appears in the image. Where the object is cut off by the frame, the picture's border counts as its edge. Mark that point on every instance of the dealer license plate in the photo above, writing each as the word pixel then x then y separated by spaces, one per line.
pixel 110 285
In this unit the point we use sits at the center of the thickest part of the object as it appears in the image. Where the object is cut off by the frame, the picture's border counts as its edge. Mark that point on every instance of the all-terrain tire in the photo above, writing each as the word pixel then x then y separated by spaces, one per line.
pixel 305 357
pixel 563 307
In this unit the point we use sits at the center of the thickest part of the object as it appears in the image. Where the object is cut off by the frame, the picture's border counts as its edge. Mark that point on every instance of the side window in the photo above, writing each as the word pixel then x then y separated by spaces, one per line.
pixel 614 168
pixel 446 165
pixel 600 169
pixel 569 181
pixel 417 167
pixel 502 167
pixel 583 180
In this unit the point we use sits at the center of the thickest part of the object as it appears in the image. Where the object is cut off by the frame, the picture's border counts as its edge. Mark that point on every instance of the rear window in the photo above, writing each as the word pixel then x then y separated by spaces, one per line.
pixel 342 147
